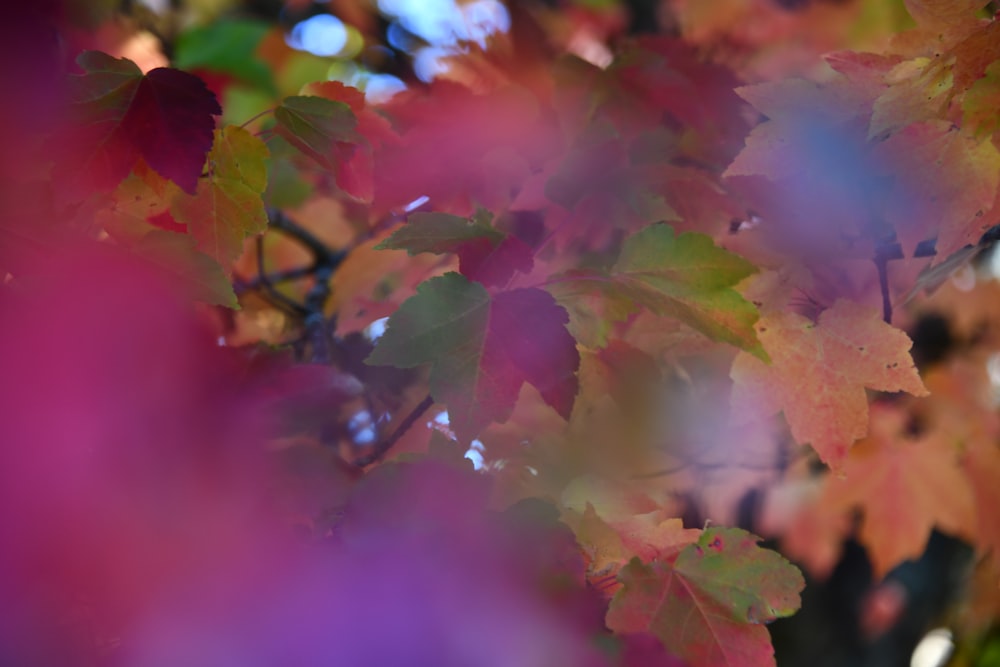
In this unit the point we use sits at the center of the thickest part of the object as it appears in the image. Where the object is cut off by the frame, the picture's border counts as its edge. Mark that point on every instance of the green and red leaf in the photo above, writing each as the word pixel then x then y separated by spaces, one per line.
pixel 118 115
pixel 708 603
pixel 227 206
pixel 485 254
pixel 686 277
pixel 482 348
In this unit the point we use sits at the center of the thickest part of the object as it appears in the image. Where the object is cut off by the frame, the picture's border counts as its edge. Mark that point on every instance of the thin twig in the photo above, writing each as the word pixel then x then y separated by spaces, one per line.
pixel 323 253
pixel 256 116
pixel 325 263
pixel 881 264
pixel 274 278
pixel 383 447
pixel 276 297
pixel 316 330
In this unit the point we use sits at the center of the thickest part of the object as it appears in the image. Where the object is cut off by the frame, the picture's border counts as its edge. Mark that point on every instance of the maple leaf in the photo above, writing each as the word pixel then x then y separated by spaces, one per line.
pixel 961 411
pixel 686 277
pixel 941 24
pixel 175 254
pixel 615 521
pixel 819 371
pixel 440 233
pixel 228 47
pixel 942 11
pixel 119 115
pixel 485 254
pixel 944 182
pixel 662 76
pixel 979 107
pixel 645 650
pixel 981 465
pixel 919 90
pixel 975 53
pixel 461 149
pixel 227 206
pixel 482 348
pixel 354 159
pixel 315 125
pixel 814 154
pixel 591 316
pixel 138 204
pixel 609 543
pixel 904 488
pixel 706 604
pixel 814 533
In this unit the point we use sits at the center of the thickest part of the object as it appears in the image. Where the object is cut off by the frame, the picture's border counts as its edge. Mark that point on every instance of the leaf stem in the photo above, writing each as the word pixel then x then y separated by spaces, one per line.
pixel 257 116
pixel 881 264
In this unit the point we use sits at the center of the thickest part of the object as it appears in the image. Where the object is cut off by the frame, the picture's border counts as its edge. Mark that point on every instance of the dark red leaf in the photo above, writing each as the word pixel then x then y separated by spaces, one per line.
pixel 120 115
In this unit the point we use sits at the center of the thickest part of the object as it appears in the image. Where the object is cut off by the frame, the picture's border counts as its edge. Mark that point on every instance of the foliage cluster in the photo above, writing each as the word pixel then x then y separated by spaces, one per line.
pixel 501 369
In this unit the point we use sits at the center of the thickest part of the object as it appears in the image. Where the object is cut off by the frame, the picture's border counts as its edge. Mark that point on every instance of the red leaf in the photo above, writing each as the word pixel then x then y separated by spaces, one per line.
pixel 120 115
pixel 642 649
pixel 459 149
pixel 485 254
pixel 495 264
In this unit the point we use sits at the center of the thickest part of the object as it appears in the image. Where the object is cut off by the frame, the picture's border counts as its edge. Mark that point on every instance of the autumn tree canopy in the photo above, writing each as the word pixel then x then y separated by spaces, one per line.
pixel 500 334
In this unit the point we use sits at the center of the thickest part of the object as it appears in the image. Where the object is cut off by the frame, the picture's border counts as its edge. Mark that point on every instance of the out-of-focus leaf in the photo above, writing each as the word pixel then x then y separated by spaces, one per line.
pixel 905 487
pixel 981 102
pixel 485 254
pixel 918 90
pixel 944 183
pixel 687 277
pixel 439 233
pixel 227 46
pixel 196 273
pixel 314 125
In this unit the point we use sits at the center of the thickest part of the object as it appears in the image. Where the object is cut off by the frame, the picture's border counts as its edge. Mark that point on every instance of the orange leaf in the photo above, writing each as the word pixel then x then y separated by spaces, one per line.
pixel 819 372
pixel 905 487
pixel 944 182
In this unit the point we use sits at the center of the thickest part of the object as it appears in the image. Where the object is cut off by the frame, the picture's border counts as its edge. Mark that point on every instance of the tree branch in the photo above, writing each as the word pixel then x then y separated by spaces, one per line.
pixel 383 447
pixel 263 280
pixel 276 297
pixel 325 263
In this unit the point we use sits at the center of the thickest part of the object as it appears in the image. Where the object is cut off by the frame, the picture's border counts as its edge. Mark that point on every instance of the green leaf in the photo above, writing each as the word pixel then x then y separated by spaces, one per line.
pixel 707 605
pixel 981 106
pixel 196 272
pixel 226 46
pixel 439 233
pixel 592 315
pixel 485 254
pixel 228 207
pixel 315 125
pixel 757 585
pixel 482 348
pixel 686 277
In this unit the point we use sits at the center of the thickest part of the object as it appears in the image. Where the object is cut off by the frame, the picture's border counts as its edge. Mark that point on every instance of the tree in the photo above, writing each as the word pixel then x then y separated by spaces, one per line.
pixel 508 367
